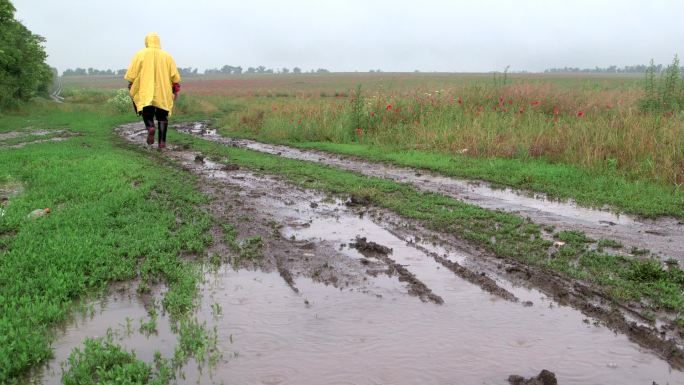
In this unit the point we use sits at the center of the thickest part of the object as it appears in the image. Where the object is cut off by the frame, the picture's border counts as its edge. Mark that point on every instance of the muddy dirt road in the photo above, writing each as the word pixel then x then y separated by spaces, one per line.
pixel 319 306
pixel 664 237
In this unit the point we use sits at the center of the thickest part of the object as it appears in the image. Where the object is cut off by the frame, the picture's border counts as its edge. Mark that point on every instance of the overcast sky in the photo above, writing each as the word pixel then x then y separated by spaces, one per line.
pixel 349 35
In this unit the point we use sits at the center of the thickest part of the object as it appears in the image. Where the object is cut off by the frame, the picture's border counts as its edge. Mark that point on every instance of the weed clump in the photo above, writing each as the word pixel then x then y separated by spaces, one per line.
pixel 121 101
pixel 104 362
pixel 663 94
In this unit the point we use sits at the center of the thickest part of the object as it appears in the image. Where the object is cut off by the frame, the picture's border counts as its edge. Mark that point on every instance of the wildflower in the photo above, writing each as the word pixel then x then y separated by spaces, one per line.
pixel 510 102
pixel 359 131
pixel 299 121
pixel 522 109
pixel 460 101
pixel 397 109
pixel 536 102
pixel 580 114
pixel 556 110
pixel 389 107
pixel 372 114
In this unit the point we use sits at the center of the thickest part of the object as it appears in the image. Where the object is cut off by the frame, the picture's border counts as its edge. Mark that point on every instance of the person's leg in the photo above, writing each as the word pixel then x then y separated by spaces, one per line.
pixel 148 119
pixel 163 121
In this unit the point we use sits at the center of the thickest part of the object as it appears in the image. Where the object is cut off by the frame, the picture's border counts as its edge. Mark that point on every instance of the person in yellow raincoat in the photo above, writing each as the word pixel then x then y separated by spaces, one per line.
pixel 154 83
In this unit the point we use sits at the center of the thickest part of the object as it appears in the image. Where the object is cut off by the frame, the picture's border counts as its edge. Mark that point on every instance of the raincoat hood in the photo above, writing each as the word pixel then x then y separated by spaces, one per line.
pixel 152 41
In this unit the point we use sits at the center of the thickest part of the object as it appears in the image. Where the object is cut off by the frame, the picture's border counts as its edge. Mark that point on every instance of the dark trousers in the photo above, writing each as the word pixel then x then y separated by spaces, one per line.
pixel 150 112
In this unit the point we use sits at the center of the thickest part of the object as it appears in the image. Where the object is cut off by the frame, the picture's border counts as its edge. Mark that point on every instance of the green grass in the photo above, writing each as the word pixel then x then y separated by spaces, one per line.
pixel 504 234
pixel 560 181
pixel 104 362
pixel 116 216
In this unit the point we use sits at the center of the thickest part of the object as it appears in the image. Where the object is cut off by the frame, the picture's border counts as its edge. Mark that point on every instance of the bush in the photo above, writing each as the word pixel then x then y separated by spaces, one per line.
pixel 121 101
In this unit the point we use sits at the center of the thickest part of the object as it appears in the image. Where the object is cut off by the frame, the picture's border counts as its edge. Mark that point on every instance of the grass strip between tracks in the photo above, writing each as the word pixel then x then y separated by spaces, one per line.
pixel 556 180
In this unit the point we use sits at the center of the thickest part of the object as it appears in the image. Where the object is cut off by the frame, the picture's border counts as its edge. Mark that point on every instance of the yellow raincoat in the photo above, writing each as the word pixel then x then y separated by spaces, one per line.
pixel 152 72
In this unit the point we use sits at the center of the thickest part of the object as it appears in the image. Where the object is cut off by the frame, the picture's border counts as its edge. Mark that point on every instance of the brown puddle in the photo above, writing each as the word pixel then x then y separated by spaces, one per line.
pixel 346 337
pixel 374 332
pixel 664 236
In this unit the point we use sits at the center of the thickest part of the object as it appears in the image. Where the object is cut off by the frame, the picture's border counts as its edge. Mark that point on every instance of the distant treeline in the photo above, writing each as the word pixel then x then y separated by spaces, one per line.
pixel 189 71
pixel 635 69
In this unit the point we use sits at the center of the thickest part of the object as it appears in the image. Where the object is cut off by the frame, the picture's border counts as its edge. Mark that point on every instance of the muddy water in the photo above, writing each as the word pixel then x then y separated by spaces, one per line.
pixel 375 333
pixel 663 236
pixel 269 335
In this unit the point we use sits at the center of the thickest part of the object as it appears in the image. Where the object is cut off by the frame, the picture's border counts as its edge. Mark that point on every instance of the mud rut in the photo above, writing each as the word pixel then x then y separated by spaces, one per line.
pixel 349 294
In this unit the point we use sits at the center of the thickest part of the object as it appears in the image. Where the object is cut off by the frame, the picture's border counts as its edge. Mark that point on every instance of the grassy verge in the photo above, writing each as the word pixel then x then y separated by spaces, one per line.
pixel 559 181
pixel 115 216
pixel 505 234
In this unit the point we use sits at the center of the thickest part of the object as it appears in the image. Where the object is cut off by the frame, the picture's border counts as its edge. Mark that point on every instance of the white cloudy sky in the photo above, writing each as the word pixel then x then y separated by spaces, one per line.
pixel 398 35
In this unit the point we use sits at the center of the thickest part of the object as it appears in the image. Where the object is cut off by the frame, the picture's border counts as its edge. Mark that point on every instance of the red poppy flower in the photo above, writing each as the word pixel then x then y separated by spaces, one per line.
pixel 359 131
pixel 372 114
pixel 522 109
pixel 397 109
pixel 389 107
pixel 556 110
pixel 459 100
pixel 580 114
pixel 510 102
pixel 535 102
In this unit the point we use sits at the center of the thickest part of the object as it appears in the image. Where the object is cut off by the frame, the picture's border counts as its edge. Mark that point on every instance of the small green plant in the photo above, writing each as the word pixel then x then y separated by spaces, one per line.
pixel 216 309
pixel 150 326
pixel 358 118
pixel 609 243
pixel 194 340
pixel 573 237
pixel 639 251
pixel 251 248
pixel 645 271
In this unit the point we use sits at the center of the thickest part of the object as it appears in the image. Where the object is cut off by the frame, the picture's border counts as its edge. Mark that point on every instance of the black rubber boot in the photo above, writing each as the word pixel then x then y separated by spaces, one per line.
pixel 163 127
pixel 149 125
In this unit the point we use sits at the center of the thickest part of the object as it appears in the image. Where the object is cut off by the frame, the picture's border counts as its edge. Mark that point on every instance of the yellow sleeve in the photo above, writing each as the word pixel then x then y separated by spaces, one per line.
pixel 175 76
pixel 133 68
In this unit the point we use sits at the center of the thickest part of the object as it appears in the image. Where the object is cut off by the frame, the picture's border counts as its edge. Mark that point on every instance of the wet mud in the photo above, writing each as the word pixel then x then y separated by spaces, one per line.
pixel 545 377
pixel 416 287
pixel 663 338
pixel 634 320
pixel 312 308
pixel 663 236
pixel 33 136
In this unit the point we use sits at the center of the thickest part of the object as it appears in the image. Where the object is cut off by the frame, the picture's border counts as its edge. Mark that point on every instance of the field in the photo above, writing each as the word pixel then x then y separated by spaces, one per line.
pixel 291 209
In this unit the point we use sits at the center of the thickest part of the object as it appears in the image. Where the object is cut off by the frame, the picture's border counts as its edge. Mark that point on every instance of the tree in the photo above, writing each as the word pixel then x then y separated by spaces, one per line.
pixel 297 70
pixel 23 71
pixel 285 71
